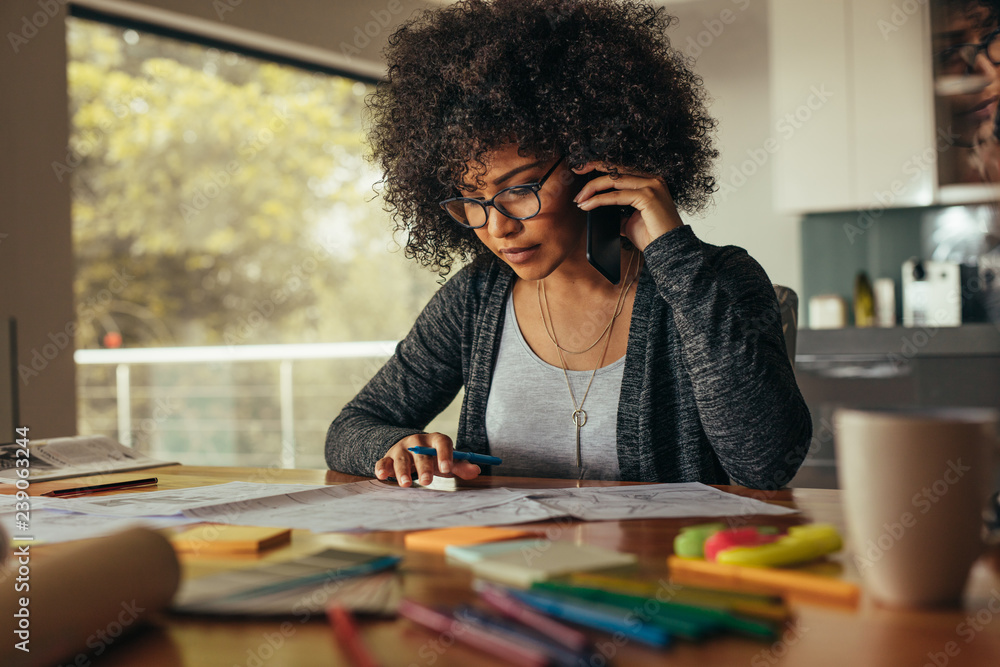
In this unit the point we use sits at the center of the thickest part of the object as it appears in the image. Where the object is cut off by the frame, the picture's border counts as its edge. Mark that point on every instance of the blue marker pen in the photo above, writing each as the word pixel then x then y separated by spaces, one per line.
pixel 478 459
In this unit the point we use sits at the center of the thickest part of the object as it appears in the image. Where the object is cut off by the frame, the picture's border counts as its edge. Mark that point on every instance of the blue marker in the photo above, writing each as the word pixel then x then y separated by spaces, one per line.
pixel 593 615
pixel 478 459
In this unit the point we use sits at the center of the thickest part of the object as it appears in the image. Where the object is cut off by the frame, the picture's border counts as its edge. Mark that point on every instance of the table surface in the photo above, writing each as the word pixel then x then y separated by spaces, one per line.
pixel 868 635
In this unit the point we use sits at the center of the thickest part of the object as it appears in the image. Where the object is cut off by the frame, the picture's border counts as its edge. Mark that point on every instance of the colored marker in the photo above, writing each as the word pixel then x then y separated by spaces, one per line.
pixel 349 637
pixel 476 637
pixel 688 620
pixel 478 459
pixel 521 635
pixel 497 598
pixel 762 606
pixel 598 616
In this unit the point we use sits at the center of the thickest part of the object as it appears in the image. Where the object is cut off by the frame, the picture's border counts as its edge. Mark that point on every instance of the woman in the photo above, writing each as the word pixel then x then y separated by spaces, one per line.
pixel 499 126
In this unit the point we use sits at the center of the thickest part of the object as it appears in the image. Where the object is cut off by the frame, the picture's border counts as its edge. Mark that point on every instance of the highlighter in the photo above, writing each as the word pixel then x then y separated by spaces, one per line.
pixel 800 545
pixel 478 459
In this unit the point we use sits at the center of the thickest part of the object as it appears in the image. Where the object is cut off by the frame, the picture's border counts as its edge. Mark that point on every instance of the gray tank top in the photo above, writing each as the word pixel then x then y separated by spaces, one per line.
pixel 529 420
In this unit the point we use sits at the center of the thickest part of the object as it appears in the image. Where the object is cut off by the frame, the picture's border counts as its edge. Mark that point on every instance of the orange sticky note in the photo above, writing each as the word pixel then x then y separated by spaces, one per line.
pixel 224 539
pixel 435 541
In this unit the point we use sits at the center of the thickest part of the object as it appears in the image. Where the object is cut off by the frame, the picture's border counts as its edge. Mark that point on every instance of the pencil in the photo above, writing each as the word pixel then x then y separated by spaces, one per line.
pixel 349 637
pixel 110 486
pixel 802 586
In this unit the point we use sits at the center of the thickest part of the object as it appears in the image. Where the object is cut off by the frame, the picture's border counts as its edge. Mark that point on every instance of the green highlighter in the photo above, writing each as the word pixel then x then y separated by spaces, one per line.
pixel 685 620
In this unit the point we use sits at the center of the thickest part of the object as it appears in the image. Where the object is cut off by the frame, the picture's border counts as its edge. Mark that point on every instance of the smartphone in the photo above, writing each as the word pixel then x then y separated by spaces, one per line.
pixel 604 241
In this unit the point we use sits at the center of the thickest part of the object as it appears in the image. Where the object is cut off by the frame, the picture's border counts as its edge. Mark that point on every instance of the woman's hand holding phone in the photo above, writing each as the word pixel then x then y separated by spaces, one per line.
pixel 399 462
pixel 655 213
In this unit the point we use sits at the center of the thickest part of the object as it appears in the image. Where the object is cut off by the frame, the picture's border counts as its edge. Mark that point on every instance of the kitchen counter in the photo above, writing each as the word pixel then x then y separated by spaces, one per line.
pixel 904 343
pixel 886 368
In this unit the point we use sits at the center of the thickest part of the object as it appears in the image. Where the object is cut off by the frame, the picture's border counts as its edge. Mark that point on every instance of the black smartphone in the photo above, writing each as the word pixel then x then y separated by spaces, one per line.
pixel 604 241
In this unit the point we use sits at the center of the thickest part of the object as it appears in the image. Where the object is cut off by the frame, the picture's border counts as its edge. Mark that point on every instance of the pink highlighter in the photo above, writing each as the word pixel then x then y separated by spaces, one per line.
pixel 739 537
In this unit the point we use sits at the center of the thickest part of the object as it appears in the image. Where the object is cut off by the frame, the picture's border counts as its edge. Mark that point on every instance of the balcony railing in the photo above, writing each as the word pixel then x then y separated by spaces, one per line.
pixel 338 369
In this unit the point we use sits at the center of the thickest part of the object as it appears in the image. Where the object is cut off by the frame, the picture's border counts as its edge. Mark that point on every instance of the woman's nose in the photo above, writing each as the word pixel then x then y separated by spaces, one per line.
pixel 982 65
pixel 499 225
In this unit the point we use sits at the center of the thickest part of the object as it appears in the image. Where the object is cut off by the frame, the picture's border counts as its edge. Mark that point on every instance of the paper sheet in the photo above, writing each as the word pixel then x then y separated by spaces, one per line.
pixel 652 501
pixel 173 501
pixel 51 526
pixel 59 458
pixel 371 505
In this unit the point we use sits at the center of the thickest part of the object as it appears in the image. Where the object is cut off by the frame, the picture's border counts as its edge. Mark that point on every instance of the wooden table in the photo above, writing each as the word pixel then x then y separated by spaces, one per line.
pixel 866 636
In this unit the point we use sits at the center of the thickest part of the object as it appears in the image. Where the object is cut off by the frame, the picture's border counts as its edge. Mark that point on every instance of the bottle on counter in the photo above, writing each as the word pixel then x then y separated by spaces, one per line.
pixel 864 301
pixel 885 302
pixel 827 311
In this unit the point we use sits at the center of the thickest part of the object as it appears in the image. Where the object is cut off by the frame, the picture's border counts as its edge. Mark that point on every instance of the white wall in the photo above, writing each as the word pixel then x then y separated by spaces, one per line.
pixel 36 260
pixel 733 61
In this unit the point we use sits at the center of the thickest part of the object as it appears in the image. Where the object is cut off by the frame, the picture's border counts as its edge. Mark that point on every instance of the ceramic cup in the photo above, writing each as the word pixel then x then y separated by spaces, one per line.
pixel 915 483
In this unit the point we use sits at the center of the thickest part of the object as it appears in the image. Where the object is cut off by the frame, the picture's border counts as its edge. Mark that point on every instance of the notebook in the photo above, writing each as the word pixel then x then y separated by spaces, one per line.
pixel 358 581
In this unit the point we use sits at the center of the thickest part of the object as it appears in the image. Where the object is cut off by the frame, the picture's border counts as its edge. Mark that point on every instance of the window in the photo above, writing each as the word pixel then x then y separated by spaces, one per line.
pixel 222 201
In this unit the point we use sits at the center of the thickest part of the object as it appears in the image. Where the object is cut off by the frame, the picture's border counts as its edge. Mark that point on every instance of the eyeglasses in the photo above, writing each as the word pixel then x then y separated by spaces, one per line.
pixel 519 202
pixel 961 58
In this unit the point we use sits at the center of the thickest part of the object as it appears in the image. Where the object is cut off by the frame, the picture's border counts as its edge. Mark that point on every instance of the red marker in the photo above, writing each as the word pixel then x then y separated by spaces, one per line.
pixel 349 637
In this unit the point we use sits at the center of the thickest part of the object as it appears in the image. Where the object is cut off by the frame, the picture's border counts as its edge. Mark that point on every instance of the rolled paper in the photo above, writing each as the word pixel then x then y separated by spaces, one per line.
pixel 77 599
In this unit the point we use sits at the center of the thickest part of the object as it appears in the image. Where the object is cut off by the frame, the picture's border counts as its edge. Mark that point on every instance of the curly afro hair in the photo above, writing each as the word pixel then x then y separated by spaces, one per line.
pixel 591 80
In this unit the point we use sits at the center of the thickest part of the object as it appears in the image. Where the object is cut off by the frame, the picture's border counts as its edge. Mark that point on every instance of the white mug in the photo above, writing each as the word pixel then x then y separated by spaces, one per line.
pixel 915 483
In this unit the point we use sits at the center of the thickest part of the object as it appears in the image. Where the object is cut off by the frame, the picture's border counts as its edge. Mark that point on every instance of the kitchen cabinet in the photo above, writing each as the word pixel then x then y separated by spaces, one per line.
pixel 869 142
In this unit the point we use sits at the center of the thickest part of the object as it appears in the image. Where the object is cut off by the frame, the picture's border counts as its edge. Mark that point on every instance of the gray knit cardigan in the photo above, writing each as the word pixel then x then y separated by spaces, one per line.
pixel 708 392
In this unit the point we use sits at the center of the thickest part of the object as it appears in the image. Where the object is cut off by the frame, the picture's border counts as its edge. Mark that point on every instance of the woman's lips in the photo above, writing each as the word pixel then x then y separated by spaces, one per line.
pixel 519 255
pixel 982 112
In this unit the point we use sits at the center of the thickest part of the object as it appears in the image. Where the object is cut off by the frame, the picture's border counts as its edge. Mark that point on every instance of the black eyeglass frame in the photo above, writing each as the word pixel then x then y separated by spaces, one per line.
pixel 485 204
pixel 963 50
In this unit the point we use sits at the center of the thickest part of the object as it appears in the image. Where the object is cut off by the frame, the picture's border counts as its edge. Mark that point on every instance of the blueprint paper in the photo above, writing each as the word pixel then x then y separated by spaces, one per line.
pixel 50 526
pixel 171 501
pixel 372 505
pixel 653 501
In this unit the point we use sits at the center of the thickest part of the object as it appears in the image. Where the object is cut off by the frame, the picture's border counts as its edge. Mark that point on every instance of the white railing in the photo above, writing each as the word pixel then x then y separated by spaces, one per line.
pixel 124 359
